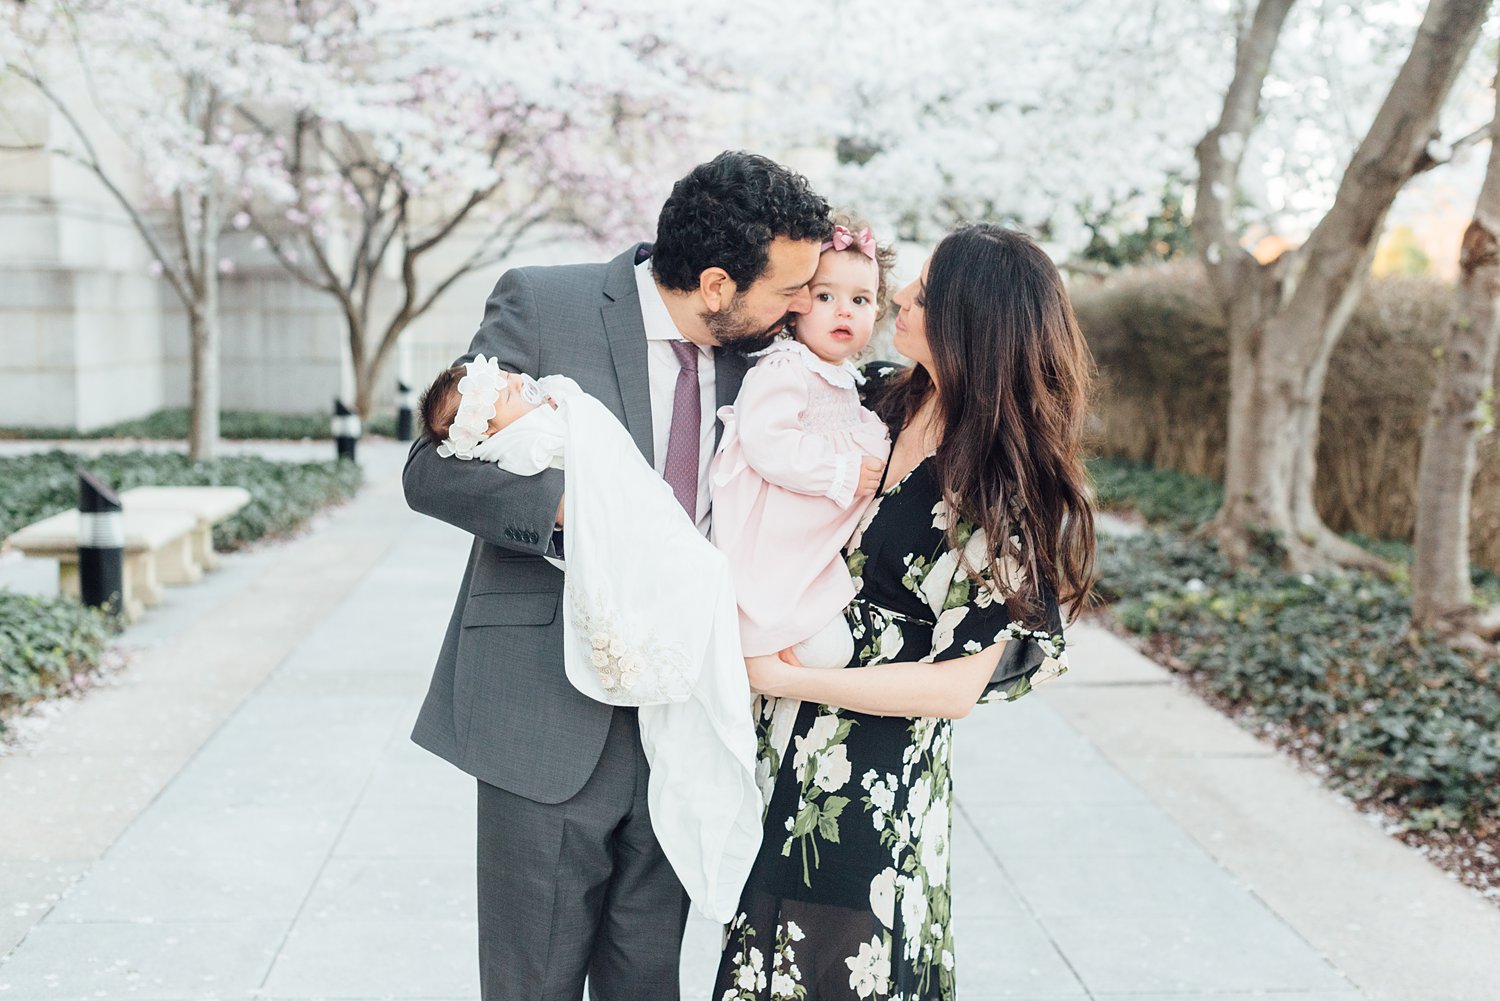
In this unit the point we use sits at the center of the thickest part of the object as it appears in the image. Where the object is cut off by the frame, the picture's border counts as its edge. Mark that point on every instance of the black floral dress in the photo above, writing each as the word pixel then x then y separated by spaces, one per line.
pixel 850 895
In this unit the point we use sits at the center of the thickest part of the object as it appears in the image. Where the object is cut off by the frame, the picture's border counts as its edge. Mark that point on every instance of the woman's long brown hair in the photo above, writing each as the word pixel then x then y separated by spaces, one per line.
pixel 1013 375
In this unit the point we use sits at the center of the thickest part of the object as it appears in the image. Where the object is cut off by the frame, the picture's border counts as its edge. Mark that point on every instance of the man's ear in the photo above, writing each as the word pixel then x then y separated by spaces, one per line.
pixel 716 288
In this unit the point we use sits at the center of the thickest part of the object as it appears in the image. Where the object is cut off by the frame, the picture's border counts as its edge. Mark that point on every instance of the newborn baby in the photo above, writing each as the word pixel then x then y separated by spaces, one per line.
pixel 460 412
pixel 649 617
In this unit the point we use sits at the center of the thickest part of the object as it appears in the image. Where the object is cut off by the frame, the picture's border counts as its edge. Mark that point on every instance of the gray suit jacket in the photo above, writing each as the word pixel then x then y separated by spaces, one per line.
pixel 499 705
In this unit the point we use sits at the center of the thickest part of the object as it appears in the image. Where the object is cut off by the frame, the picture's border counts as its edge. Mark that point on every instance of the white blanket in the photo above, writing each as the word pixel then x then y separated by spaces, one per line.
pixel 649 620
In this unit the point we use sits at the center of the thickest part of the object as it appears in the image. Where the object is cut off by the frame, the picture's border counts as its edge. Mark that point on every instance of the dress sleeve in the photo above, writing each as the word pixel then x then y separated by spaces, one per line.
pixel 973 616
pixel 769 410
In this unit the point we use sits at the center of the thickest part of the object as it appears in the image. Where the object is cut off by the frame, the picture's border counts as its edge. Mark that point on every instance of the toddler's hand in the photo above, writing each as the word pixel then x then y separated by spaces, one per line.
pixel 788 657
pixel 869 477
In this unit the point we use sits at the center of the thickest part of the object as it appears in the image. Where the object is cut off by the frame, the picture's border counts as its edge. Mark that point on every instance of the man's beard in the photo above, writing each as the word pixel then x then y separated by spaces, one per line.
pixel 733 332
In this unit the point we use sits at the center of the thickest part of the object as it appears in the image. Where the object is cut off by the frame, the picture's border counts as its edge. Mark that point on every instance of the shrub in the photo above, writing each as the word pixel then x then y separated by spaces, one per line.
pixel 1324 660
pixel 1162 350
pixel 234 425
pixel 1161 496
pixel 282 494
pixel 44 644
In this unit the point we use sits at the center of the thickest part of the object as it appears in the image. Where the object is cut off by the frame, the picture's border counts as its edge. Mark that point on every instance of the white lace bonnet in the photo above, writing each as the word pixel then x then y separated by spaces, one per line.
pixel 477 392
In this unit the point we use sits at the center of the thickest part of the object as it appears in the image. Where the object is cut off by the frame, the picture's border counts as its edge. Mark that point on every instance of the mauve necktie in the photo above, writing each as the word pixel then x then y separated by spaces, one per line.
pixel 681 470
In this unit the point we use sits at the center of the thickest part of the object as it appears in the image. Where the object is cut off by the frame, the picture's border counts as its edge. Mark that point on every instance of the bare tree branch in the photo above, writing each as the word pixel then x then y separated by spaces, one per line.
pixel 1220 150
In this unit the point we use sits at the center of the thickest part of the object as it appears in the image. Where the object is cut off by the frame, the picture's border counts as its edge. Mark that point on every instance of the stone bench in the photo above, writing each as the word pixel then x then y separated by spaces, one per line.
pixel 209 505
pixel 159 549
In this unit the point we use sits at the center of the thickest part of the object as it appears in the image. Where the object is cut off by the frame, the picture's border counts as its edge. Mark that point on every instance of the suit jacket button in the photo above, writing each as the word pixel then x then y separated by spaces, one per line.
pixel 510 533
pixel 532 538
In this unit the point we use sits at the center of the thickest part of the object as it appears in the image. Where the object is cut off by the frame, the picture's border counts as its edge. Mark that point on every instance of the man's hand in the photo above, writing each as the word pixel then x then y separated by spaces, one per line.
pixel 558 520
pixel 870 470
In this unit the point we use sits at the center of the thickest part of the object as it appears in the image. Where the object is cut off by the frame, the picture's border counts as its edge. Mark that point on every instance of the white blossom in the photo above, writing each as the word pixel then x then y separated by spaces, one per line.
pixel 833 769
pixel 883 896
pixel 870 969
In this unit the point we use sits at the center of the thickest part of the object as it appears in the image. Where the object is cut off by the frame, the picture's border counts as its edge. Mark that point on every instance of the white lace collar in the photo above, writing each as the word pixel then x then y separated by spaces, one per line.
pixel 844 375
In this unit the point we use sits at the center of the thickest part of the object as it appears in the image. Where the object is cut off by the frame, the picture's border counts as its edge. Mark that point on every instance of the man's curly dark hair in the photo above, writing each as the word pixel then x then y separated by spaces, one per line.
pixel 726 212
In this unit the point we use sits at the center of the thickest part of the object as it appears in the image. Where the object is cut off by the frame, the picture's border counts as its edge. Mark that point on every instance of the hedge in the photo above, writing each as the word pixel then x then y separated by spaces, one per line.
pixel 45 643
pixel 1162 350
pixel 234 425
pixel 282 494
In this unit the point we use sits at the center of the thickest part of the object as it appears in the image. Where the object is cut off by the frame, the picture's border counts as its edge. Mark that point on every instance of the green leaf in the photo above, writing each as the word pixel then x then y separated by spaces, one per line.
pixel 807 819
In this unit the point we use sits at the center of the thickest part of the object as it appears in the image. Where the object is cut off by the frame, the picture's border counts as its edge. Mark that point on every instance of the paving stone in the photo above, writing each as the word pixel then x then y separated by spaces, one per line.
pixel 1067 829
pixel 421 833
pixel 28 891
pixel 192 888
pixel 377 958
pixel 396 889
pixel 1011 958
pixel 1128 950
pixel 198 961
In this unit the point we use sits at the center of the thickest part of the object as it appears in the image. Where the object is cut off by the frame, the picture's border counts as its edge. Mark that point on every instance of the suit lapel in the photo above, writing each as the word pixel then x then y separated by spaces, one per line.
pixel 729 372
pixel 627 347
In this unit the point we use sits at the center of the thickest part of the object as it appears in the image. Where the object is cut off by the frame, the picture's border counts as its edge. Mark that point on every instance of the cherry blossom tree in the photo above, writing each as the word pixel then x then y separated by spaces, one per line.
pixel 159 79
pixel 437 134
pixel 1462 410
pixel 1045 115
pixel 1286 316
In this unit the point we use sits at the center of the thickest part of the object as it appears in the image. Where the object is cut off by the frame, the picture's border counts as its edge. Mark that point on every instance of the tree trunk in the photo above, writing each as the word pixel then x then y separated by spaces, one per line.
pixel 203 337
pixel 1278 364
pixel 1441 590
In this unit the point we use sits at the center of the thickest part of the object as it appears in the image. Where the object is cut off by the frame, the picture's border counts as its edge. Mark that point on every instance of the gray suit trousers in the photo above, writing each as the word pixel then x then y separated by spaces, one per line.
pixel 600 899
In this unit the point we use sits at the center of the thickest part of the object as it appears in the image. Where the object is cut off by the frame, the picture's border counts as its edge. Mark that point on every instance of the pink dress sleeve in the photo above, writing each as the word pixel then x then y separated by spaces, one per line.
pixel 769 408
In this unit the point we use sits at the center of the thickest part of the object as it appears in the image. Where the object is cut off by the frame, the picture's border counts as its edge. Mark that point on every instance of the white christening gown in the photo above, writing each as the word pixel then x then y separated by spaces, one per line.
pixel 649 620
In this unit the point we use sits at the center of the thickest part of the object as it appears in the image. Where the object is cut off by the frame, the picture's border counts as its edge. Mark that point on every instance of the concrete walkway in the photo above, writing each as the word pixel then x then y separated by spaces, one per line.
pixel 240 815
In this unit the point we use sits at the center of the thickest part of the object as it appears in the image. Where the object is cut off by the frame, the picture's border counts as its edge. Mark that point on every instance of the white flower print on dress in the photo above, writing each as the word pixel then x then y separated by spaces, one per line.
pixel 889 645
pixel 816 739
pixel 939 580
pixel 942 633
pixel 912 891
pixel 870 971
pixel 917 804
pixel 935 837
pixel 941 516
pixel 833 769
pixel 883 896
pixel 882 796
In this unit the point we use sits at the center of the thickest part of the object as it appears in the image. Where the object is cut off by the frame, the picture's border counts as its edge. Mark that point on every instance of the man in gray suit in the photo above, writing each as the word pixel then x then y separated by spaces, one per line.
pixel 572 882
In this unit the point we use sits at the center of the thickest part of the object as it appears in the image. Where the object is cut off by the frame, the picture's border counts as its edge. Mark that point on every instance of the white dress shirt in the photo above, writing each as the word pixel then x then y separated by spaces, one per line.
pixel 662 369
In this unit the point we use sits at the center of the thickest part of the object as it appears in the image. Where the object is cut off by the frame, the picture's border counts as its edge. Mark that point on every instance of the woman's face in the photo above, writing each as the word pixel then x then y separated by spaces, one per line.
pixel 911 329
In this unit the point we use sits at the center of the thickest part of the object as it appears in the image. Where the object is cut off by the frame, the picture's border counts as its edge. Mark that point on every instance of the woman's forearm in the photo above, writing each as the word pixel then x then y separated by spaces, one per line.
pixel 949 689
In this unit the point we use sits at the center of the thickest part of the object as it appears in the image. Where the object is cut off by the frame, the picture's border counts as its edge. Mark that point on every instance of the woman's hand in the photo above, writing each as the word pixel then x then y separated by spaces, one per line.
pixel 767 672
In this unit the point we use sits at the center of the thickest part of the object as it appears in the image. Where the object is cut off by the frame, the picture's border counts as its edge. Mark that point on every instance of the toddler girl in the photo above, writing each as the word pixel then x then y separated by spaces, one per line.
pixel 800 458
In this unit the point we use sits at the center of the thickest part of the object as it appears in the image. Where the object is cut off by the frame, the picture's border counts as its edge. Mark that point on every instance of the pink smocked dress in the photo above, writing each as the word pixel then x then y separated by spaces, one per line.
pixel 783 492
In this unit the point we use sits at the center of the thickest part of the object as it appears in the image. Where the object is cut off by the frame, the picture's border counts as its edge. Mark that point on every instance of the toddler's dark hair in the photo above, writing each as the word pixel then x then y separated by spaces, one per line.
pixel 439 404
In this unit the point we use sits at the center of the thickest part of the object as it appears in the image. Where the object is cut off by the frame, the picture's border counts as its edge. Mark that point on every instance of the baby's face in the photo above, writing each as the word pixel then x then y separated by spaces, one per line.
pixel 842 317
pixel 512 403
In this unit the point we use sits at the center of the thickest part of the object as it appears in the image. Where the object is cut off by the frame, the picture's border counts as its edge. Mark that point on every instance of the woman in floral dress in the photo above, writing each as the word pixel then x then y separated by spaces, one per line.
pixel 850 897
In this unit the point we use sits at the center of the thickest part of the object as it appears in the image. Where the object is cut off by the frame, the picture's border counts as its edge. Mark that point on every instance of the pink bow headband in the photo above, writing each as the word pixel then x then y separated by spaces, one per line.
pixel 843 240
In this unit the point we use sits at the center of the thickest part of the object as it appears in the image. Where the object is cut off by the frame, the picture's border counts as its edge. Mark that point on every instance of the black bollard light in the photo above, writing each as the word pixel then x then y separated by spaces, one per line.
pixel 345 427
pixel 406 403
pixel 101 544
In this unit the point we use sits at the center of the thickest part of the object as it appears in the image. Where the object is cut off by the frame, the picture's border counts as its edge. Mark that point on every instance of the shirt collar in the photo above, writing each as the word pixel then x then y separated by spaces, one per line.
pixel 658 322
